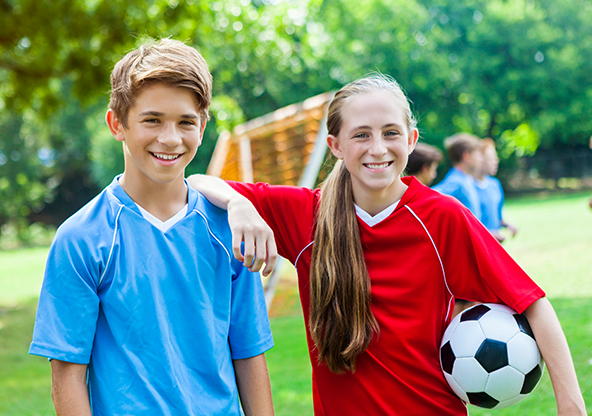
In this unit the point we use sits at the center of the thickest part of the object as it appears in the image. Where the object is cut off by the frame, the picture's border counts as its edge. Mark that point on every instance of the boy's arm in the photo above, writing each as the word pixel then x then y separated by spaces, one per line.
pixel 555 352
pixel 68 389
pixel 245 223
pixel 253 384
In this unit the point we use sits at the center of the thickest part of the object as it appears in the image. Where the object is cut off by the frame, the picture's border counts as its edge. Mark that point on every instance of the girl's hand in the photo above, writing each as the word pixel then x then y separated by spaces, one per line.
pixel 248 227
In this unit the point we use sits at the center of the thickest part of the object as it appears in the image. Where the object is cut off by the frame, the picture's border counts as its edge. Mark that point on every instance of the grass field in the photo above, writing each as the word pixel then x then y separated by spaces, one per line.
pixel 554 246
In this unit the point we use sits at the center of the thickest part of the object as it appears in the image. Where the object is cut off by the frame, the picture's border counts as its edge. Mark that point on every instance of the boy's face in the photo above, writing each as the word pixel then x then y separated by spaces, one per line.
pixel 162 135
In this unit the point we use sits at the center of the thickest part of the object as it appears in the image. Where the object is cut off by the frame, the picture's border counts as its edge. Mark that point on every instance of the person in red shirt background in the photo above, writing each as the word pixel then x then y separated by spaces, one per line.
pixel 380 261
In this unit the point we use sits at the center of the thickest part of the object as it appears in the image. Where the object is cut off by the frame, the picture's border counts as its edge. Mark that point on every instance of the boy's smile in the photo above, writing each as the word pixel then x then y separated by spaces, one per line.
pixel 162 135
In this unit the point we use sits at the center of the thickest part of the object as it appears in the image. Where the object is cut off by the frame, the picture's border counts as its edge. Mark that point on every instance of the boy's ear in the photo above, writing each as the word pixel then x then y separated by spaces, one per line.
pixel 115 125
pixel 333 143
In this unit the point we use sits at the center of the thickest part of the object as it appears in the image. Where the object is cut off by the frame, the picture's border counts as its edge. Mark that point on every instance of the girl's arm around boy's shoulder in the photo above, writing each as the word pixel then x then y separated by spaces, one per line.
pixel 261 215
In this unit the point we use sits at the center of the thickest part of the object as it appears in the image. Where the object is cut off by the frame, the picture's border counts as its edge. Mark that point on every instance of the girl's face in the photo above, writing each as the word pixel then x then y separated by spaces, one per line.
pixel 374 142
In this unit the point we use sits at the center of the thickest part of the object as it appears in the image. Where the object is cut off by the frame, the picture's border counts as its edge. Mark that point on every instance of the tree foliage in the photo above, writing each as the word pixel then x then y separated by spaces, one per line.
pixel 516 71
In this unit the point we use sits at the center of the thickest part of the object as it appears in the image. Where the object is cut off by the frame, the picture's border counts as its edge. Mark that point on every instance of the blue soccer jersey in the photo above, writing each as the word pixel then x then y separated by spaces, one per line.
pixel 158 316
pixel 491 196
pixel 461 185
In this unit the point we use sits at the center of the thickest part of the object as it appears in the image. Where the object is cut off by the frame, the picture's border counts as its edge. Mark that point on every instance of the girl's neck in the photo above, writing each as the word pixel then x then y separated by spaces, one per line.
pixel 376 201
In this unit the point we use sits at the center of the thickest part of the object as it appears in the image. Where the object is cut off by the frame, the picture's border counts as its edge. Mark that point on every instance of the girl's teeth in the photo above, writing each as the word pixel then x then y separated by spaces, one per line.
pixel 382 165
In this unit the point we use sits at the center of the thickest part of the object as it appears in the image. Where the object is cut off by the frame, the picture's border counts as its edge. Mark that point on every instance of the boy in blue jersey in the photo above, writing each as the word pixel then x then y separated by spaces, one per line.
pixel 464 152
pixel 143 309
pixel 491 193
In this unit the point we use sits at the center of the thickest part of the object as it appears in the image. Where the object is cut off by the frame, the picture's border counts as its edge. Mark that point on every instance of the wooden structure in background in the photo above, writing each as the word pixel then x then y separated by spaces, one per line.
pixel 286 147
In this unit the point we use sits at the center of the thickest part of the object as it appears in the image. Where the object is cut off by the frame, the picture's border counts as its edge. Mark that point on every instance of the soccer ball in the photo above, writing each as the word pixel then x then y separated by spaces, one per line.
pixel 489 356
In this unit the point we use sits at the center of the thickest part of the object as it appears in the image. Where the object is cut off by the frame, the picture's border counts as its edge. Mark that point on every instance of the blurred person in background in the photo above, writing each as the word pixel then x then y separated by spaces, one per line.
pixel 464 151
pixel 423 163
pixel 491 193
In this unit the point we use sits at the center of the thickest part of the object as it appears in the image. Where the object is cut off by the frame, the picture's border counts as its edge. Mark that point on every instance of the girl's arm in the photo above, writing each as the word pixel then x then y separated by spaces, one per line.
pixel 254 389
pixel 245 223
pixel 555 352
pixel 68 389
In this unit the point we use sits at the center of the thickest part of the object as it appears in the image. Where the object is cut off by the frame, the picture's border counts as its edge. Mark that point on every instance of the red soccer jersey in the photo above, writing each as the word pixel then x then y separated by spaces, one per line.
pixel 430 250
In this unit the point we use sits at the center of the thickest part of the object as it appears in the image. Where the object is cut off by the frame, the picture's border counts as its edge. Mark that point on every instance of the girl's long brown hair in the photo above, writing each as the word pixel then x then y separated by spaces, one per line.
pixel 341 321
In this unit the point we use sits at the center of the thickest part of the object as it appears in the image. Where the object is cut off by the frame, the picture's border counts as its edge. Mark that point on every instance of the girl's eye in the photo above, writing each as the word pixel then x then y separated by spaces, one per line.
pixel 151 120
pixel 188 123
pixel 361 135
pixel 392 133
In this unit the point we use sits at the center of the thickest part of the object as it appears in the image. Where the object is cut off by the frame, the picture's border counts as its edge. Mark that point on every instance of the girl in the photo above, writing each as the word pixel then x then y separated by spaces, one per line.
pixel 380 260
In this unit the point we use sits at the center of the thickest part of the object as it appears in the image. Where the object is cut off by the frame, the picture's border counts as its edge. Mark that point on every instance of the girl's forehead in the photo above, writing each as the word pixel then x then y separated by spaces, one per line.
pixel 374 105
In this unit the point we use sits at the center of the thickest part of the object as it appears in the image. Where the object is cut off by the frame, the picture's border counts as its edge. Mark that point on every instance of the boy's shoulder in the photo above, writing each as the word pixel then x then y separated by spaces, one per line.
pixel 214 218
pixel 93 221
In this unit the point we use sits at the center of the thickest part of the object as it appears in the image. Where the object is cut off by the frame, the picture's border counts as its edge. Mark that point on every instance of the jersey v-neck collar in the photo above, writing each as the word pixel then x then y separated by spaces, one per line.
pixel 164 225
pixel 119 193
pixel 413 187
pixel 370 220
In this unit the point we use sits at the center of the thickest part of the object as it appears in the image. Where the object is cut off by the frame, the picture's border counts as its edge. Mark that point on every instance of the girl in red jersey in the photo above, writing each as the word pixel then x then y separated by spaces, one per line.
pixel 380 260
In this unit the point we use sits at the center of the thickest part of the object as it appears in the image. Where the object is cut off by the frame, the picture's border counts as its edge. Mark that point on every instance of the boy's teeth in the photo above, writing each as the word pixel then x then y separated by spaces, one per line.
pixel 165 157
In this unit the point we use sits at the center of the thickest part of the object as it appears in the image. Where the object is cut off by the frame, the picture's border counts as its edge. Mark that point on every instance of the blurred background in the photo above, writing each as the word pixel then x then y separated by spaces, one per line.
pixel 517 71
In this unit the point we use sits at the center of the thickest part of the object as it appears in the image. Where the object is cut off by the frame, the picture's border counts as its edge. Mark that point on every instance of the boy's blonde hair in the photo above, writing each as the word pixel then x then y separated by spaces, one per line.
pixel 166 60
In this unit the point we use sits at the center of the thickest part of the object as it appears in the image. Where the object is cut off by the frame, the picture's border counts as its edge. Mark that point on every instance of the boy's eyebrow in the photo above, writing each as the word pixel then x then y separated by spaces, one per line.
pixel 159 114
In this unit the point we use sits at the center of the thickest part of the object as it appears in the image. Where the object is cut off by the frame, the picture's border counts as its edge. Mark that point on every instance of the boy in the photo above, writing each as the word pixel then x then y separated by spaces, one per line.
pixel 141 296
pixel 464 151
pixel 423 163
pixel 491 193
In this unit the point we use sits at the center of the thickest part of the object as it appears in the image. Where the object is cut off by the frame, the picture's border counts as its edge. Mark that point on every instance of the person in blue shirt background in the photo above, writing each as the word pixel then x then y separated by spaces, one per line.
pixel 143 308
pixel 464 152
pixel 491 193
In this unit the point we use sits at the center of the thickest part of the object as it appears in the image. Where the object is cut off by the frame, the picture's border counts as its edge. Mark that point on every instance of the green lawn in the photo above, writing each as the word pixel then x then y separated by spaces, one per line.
pixel 554 246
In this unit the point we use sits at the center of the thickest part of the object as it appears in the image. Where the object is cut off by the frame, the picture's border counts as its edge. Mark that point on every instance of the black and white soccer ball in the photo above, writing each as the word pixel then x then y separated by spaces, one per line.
pixel 489 356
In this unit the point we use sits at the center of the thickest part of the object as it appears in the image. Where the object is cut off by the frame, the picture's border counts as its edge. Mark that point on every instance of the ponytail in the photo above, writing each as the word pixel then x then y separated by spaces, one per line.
pixel 341 322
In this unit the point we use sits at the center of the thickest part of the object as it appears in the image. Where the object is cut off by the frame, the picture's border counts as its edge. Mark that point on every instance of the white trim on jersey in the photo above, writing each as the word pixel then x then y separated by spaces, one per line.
pixel 112 245
pixel 299 254
pixel 439 258
pixel 370 220
pixel 212 234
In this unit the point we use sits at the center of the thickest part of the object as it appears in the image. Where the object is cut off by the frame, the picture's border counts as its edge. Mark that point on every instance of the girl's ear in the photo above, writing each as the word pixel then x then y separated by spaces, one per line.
pixel 334 145
pixel 114 125
pixel 412 140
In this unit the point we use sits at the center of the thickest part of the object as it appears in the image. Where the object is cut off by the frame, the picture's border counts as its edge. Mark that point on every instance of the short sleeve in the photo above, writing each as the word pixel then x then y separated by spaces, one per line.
pixel 288 210
pixel 250 333
pixel 478 268
pixel 68 304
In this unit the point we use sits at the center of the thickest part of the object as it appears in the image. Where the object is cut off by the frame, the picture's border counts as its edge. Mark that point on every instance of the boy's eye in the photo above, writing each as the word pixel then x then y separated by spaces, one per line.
pixel 392 133
pixel 361 135
pixel 188 122
pixel 151 120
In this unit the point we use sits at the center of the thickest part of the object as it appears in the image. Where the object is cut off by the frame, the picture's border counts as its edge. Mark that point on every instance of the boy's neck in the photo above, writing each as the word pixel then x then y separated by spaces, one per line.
pixel 163 200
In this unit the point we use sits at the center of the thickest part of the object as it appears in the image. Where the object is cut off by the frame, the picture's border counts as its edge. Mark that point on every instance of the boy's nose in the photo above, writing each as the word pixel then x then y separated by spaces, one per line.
pixel 170 136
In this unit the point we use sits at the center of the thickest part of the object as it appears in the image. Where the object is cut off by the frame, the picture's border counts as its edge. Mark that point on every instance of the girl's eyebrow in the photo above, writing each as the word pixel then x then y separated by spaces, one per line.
pixel 386 126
